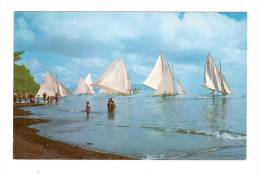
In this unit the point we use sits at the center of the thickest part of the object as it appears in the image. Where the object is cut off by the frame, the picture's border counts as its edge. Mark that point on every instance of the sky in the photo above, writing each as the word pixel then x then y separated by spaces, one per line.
pixel 72 44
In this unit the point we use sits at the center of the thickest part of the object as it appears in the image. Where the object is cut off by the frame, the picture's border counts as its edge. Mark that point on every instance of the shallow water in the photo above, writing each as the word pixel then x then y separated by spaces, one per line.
pixel 149 127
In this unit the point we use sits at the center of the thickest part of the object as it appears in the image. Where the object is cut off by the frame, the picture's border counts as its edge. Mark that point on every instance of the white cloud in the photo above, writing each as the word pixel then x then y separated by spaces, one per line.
pixel 90 41
pixel 34 64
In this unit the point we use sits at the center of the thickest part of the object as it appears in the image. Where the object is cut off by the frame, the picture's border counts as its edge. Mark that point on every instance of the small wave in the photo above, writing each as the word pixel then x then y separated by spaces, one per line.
pixel 178 155
pixel 218 134
pixel 76 111
pixel 123 126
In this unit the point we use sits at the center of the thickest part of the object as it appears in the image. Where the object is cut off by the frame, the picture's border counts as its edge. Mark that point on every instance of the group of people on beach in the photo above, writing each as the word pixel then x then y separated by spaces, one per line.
pixel 50 98
pixel 23 98
pixel 111 106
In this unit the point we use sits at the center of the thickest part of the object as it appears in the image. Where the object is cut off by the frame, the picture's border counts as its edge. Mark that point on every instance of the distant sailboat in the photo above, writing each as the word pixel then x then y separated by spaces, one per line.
pixel 179 88
pixel 214 79
pixel 161 79
pixel 63 91
pixel 115 79
pixel 82 88
pixel 51 86
pixel 89 83
pixel 166 85
pixel 104 91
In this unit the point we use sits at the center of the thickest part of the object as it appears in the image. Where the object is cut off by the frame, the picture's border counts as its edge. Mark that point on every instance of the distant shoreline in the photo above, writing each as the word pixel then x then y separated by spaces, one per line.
pixel 27 144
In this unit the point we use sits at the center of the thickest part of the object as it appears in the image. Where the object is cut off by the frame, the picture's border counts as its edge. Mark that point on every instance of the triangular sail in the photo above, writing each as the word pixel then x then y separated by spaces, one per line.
pixel 213 79
pixel 51 86
pixel 153 80
pixel 225 87
pixel 179 88
pixel 82 88
pixel 63 91
pixel 115 79
pixel 89 83
pixel 166 85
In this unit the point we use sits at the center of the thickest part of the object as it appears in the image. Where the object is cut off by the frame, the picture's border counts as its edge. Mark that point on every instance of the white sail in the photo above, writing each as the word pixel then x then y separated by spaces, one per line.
pixel 213 79
pixel 115 79
pixel 225 87
pixel 82 88
pixel 179 88
pixel 63 91
pixel 166 85
pixel 89 83
pixel 153 80
pixel 50 86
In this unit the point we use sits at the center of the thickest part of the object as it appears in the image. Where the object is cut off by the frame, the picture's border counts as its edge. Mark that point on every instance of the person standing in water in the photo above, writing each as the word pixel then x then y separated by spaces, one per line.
pixel 111 105
pixel 38 99
pixel 87 108
pixel 44 97
pixel 48 99
pixel 56 98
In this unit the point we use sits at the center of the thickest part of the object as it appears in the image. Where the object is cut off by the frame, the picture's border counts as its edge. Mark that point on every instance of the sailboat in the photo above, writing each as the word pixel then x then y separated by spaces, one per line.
pixel 51 86
pixel 161 79
pixel 214 79
pixel 82 88
pixel 115 79
pixel 179 88
pixel 89 83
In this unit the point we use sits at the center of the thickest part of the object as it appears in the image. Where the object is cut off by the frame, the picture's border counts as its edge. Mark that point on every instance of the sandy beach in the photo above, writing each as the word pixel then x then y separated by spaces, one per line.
pixel 28 145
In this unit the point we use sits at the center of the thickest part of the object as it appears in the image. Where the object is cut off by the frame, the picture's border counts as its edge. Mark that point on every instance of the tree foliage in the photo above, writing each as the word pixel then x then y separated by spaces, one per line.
pixel 17 55
pixel 23 80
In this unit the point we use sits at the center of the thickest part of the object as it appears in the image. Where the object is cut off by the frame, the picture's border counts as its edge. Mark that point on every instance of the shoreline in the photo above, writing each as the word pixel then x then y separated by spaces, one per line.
pixel 27 144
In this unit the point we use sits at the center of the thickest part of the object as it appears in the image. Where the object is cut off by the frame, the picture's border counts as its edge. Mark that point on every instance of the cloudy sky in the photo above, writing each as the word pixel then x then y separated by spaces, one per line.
pixel 71 44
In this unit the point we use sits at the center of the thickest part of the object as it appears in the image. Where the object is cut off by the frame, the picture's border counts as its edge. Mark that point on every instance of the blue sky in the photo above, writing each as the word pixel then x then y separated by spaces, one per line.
pixel 71 44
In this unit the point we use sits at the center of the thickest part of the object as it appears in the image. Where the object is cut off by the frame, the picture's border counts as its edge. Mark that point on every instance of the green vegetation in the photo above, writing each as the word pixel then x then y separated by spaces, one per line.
pixel 23 81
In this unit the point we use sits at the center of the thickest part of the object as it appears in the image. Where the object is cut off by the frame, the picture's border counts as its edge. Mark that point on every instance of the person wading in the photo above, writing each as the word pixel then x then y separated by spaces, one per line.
pixel 38 99
pixel 111 105
pixel 56 98
pixel 44 97
pixel 87 108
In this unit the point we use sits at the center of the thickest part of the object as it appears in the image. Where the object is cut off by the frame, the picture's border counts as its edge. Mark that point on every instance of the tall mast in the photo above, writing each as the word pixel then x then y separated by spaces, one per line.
pixel 58 84
pixel 162 61
pixel 221 81
pixel 173 79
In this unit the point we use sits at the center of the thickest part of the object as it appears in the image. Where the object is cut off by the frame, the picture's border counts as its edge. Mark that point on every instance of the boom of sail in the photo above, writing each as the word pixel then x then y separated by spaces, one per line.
pixel 82 88
pixel 214 79
pixel 51 86
pixel 115 79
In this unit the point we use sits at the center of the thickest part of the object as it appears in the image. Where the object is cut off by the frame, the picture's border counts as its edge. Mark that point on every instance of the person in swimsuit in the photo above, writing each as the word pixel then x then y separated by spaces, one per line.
pixel 56 98
pixel 44 97
pixel 87 108
pixel 38 99
pixel 111 105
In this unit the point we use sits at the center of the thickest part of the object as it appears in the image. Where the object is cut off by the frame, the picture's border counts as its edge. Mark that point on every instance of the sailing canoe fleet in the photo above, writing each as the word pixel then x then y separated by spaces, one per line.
pixel 116 80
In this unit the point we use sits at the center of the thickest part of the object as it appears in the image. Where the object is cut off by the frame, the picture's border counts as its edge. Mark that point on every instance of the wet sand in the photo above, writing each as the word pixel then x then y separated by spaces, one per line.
pixel 28 145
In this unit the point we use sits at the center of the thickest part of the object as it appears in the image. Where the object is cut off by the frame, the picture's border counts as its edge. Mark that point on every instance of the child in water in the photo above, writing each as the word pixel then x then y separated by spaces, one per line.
pixel 87 108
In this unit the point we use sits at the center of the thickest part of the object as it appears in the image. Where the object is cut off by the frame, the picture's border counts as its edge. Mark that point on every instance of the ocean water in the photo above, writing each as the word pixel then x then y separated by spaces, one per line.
pixel 196 126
